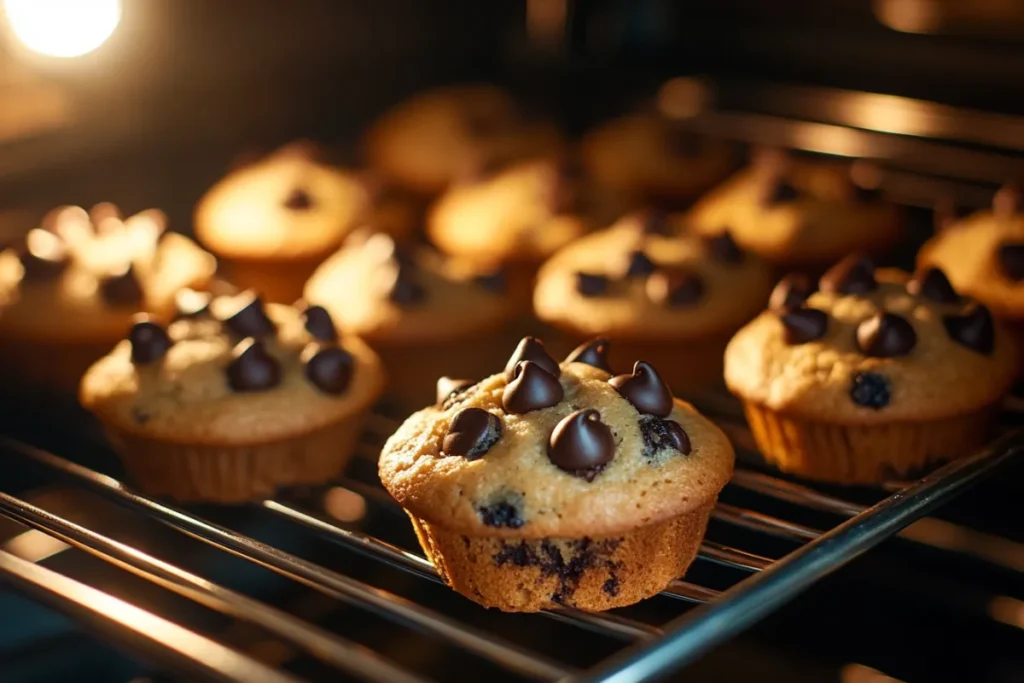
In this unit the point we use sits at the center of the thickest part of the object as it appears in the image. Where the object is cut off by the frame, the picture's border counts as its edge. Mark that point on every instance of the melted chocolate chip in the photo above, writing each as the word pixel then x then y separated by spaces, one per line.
pixel 249 319
pixel 532 388
pixel 645 390
pixel 329 368
pixel 593 352
pixel 189 304
pixel 779 191
pixel 724 249
pixel 639 265
pixel 495 281
pixel 659 434
pixel 871 390
pixel 804 325
pixel 581 443
pixel 1007 201
pixel 791 293
pixel 531 348
pixel 252 368
pixel 591 285
pixel 44 256
pixel 149 342
pixel 471 433
pixel 886 335
pixel 121 289
pixel 448 390
pixel 934 285
pixel 501 514
pixel 319 323
pixel 855 274
pixel 298 200
pixel 403 288
pixel 1011 260
pixel 674 288
pixel 974 329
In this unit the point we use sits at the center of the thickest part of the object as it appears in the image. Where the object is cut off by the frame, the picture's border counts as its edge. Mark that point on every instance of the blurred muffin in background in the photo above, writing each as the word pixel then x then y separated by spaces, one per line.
pixel 273 221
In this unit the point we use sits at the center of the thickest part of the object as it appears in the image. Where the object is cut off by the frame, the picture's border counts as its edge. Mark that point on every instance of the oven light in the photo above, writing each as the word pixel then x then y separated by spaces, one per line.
pixel 62 28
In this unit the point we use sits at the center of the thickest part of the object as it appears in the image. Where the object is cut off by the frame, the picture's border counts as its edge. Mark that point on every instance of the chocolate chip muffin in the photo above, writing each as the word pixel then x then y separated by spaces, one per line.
pixel 234 399
pixel 424 314
pixel 870 374
pixel 271 222
pixel 430 140
pixel 558 484
pixel 672 298
pixel 76 281
pixel 800 214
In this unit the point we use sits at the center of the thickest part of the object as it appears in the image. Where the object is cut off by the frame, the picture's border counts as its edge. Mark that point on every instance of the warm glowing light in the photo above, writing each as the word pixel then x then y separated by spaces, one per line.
pixel 63 28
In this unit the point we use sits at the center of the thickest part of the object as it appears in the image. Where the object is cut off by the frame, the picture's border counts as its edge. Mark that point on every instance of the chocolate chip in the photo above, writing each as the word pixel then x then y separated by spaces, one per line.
pixel 44 256
pixel 581 443
pixel 791 293
pixel 645 390
pixel 298 200
pixel 319 323
pixel 934 285
pixel 593 352
pixel 149 342
pixel 189 303
pixel 1007 201
pixel 871 390
pixel 495 281
pixel 779 191
pixel 674 288
pixel 249 318
pixel 121 289
pixel 724 249
pixel 655 222
pixel 659 434
pixel 471 433
pixel 1011 260
pixel 448 389
pixel 974 329
pixel 531 348
pixel 501 514
pixel 252 368
pixel 403 289
pixel 639 265
pixel 855 274
pixel 591 285
pixel 532 388
pixel 328 368
pixel 886 335
pixel 804 325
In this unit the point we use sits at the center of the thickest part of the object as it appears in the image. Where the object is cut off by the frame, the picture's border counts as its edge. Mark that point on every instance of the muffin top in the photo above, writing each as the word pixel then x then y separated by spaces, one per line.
pixel 434 138
pixel 84 275
pixel 289 205
pixel 383 291
pixel 871 347
pixel 636 280
pixel 799 211
pixel 522 213
pixel 549 449
pixel 230 370
pixel 983 254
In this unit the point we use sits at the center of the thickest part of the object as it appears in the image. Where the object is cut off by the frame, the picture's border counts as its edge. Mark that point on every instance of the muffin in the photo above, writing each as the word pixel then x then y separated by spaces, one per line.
pixel 76 282
pixel 558 484
pixel 271 222
pixel 424 314
pixel 430 140
pixel 800 214
pixel 872 377
pixel 234 399
pixel 672 299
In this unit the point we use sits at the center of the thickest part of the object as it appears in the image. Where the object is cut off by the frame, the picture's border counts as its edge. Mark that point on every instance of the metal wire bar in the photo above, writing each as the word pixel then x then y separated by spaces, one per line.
pixel 794 493
pixel 756 521
pixel 166 641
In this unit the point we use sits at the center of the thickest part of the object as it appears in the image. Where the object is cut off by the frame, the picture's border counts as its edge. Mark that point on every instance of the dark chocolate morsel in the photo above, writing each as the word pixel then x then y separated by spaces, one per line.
pixel 871 390
pixel 674 288
pixel 121 289
pixel 804 325
pixel 581 442
pixel 471 433
pixel 44 256
pixel 501 514
pixel 249 319
pixel 791 293
pixel 328 368
pixel 298 200
pixel 645 390
pixel 189 303
pixel 659 434
pixel 724 249
pixel 886 335
pixel 448 388
pixel 590 284
pixel 531 348
pixel 593 352
pixel 974 329
pixel 779 191
pixel 855 274
pixel 1011 260
pixel 319 323
pixel 532 388
pixel 934 285
pixel 149 342
pixel 496 281
pixel 403 289
pixel 252 368
pixel 639 265
pixel 1007 201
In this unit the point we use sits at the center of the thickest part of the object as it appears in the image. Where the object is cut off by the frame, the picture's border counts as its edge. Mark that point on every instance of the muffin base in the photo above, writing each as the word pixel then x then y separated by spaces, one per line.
pixel 595 573
pixel 863 454
pixel 227 473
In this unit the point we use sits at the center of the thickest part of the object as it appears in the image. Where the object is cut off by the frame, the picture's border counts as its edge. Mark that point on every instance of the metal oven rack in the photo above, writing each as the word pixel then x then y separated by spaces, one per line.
pixel 919 170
